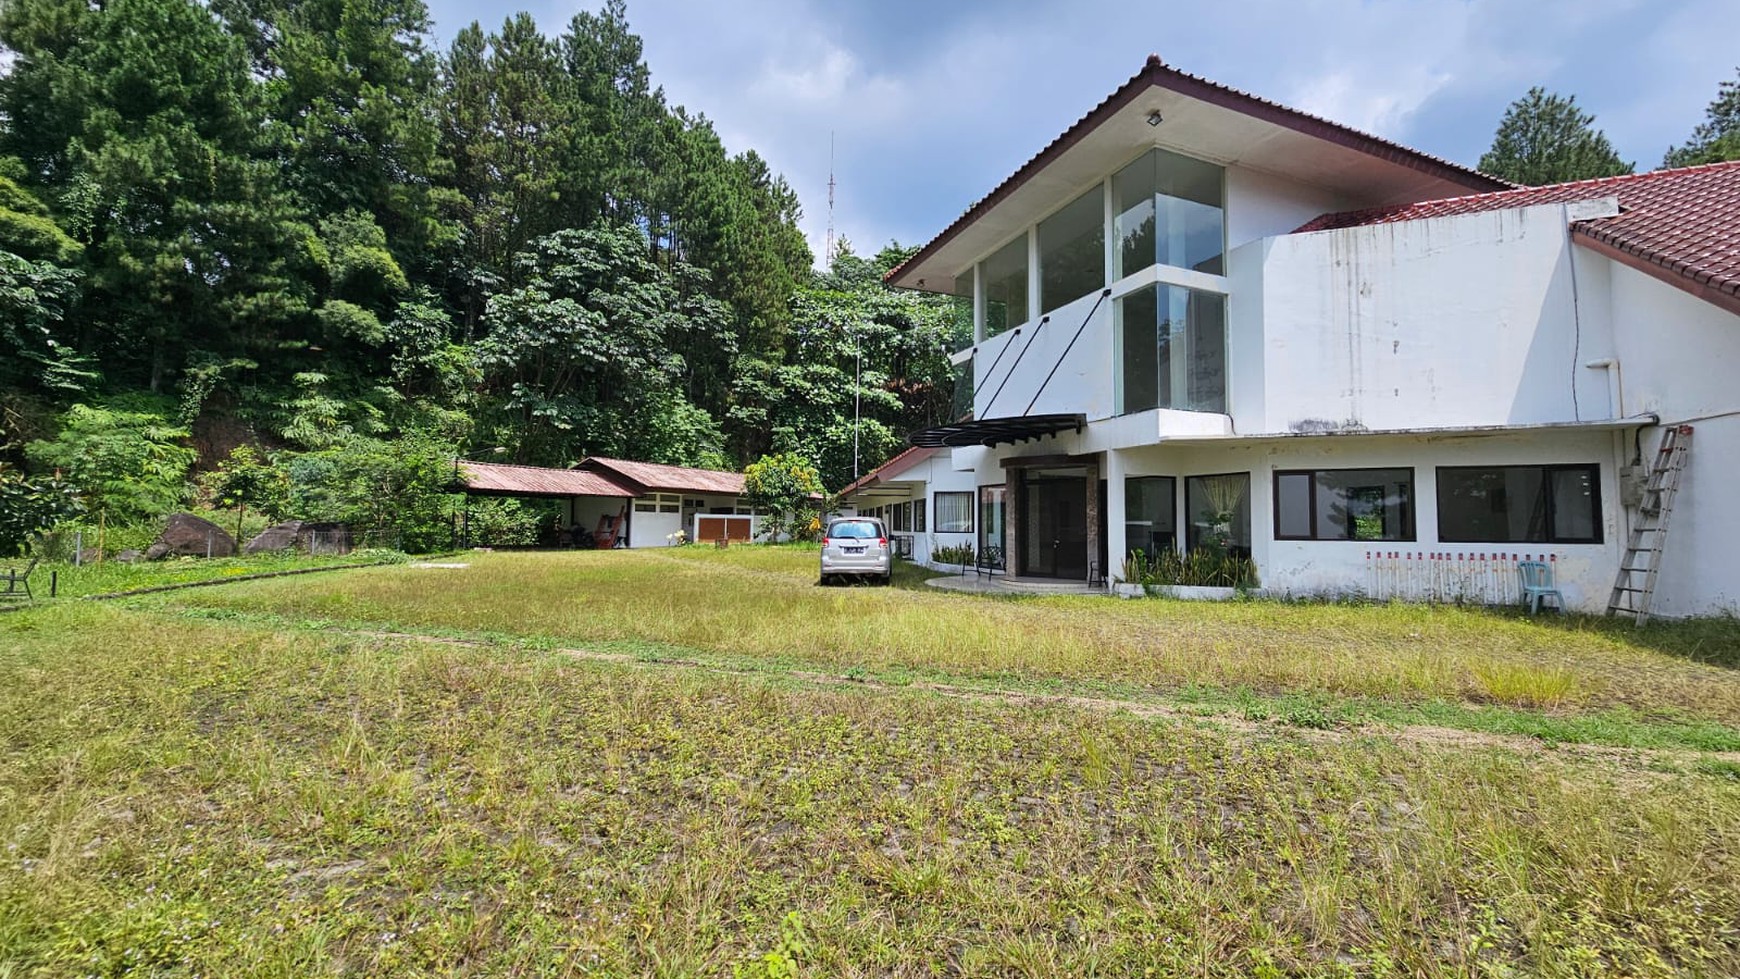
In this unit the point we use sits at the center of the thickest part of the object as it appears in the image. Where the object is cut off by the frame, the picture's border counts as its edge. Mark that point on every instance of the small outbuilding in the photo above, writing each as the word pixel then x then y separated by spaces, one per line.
pixel 622 503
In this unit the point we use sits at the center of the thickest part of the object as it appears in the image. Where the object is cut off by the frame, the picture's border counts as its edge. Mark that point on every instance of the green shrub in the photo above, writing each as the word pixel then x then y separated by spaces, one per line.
pixel 961 554
pixel 503 523
pixel 1199 568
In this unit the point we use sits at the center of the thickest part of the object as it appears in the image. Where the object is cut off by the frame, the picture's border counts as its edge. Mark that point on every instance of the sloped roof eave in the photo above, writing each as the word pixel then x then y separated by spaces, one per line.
pixel 1156 73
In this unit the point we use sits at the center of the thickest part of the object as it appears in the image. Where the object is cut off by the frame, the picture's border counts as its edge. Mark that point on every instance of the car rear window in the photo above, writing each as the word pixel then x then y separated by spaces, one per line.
pixel 861 529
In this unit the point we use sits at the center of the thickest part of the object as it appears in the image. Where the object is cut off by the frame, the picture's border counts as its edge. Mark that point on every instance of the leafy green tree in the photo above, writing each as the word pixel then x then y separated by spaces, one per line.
pixel 349 87
pixel 397 492
pixel 805 403
pixel 782 485
pixel 243 480
pixel 1545 139
pixel 1717 138
pixel 579 358
pixel 28 230
pixel 128 460
pixel 160 159
pixel 39 287
pixel 31 506
pixel 34 351
pixel 508 115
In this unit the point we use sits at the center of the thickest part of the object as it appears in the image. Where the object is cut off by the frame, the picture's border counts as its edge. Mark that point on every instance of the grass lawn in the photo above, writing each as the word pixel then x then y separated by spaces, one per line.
pixel 115 576
pixel 251 780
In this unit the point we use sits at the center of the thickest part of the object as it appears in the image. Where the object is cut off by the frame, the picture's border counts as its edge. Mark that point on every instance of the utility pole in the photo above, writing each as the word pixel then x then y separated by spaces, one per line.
pixel 857 393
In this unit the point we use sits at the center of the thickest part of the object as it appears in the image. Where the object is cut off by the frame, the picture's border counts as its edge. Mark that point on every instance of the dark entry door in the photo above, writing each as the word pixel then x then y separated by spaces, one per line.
pixel 1055 538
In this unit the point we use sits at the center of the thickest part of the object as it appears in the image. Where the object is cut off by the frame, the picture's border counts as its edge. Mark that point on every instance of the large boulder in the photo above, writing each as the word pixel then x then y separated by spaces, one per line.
pixel 306 536
pixel 189 536
pixel 278 537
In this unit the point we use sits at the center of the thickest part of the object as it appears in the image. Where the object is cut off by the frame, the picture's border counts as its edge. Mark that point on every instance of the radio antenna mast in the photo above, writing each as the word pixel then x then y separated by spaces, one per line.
pixel 828 255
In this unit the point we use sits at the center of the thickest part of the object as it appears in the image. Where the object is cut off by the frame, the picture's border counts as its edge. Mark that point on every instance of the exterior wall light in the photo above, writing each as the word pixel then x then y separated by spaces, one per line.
pixel 1154 118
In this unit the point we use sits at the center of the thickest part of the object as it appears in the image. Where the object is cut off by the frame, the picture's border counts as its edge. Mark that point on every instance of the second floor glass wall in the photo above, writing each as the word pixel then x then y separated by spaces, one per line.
pixel 1168 210
pixel 1072 251
pixel 1163 215
pixel 1170 349
pixel 1003 276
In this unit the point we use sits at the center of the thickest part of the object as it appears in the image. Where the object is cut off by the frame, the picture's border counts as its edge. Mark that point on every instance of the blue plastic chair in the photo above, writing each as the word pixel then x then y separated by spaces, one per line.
pixel 1537 584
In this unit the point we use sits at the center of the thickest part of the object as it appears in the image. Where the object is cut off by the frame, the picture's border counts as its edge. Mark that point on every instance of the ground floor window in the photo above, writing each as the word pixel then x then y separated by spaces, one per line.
pixel 918 516
pixel 954 513
pixel 901 516
pixel 1519 504
pixel 1150 514
pixel 658 503
pixel 1345 504
pixel 1218 513
pixel 993 512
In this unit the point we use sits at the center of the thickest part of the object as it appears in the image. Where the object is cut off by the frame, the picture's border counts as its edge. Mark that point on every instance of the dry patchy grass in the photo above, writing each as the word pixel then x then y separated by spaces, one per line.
pixel 762 602
pixel 182 797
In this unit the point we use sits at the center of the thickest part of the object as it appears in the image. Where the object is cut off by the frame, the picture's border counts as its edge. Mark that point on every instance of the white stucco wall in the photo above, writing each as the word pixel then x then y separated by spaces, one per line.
pixel 1679 357
pixel 1456 321
pixel 1335 568
pixel 1260 205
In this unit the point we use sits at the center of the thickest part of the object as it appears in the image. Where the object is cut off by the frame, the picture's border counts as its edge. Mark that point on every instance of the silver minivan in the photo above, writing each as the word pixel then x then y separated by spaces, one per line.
pixel 857 547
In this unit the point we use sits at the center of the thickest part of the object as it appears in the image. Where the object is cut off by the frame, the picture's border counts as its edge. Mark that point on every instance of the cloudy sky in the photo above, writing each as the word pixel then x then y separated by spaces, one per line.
pixel 931 103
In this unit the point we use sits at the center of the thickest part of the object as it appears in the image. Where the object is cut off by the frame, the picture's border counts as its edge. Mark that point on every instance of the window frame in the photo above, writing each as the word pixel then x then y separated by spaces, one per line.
pixel 1189 523
pixel 936 511
pixel 659 503
pixel 919 508
pixel 1412 512
pixel 1547 469
pixel 1001 491
pixel 1177 510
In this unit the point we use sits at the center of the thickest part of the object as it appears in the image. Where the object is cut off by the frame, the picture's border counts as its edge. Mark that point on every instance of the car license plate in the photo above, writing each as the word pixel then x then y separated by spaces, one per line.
pixel 854 550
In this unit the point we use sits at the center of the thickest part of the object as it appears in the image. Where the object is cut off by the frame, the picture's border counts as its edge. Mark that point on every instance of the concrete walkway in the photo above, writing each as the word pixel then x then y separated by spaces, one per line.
pixel 977 584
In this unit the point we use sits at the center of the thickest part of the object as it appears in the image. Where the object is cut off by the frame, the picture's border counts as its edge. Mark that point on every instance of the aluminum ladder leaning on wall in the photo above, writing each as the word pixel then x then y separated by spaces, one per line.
pixel 1635 585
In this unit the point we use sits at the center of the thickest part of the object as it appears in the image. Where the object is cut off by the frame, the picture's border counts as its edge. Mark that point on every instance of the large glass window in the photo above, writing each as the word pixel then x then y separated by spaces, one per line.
pixel 1004 278
pixel 954 513
pixel 1345 504
pixel 1150 514
pixel 1218 513
pixel 1072 251
pixel 1169 212
pixel 993 513
pixel 1519 504
pixel 1171 345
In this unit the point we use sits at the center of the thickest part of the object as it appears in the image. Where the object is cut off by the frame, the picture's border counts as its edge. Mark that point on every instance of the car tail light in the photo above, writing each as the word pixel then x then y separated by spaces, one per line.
pixel 882 542
pixel 824 542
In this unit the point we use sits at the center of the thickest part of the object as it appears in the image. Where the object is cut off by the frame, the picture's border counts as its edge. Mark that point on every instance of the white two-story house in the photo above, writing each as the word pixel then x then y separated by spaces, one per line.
pixel 1370 370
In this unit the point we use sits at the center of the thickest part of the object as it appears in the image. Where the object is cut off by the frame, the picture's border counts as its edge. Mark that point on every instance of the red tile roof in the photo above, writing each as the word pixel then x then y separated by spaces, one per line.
pixel 657 476
pixel 1681 225
pixel 495 477
pixel 892 467
pixel 1157 73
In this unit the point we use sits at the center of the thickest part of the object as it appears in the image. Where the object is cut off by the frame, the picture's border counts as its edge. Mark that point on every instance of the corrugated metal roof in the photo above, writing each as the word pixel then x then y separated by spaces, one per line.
pixel 495 477
pixel 1684 222
pixel 656 476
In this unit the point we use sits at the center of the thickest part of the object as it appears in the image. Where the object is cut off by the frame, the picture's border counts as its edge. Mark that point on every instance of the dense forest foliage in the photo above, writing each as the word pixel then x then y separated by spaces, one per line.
pixel 299 227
